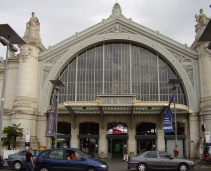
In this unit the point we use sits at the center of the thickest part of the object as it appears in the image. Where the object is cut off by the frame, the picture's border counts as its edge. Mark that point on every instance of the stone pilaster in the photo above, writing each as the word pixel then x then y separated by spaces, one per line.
pixel 103 142
pixel 132 143
pixel 193 128
pixel 160 143
pixel 74 138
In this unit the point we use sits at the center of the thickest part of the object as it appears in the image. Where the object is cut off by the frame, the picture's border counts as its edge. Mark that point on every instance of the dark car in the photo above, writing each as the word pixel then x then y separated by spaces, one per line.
pixel 158 160
pixel 58 159
pixel 17 160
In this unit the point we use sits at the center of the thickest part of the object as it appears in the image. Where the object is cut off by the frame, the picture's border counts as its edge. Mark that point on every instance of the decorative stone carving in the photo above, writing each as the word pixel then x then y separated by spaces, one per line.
pixel 13 56
pixel 33 29
pixel 187 64
pixel 202 21
pixel 117 29
pixel 25 104
pixel 116 11
pixel 48 65
pixel 27 51
pixel 203 50
pixel 46 71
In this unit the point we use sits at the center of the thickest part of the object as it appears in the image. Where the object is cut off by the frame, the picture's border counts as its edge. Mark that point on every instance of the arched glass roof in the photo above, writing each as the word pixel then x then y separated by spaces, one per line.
pixel 119 68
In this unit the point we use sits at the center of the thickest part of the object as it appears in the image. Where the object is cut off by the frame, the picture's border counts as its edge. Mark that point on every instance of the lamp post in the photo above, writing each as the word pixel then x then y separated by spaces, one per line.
pixel 8 37
pixel 57 85
pixel 174 84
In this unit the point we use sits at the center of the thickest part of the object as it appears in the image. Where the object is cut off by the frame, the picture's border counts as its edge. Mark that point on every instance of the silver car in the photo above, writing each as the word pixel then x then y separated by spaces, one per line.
pixel 17 160
pixel 158 160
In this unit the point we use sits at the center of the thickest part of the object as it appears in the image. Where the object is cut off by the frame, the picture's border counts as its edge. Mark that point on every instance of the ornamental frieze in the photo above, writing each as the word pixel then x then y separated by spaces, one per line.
pixel 48 65
pixel 187 65
pixel 203 50
pixel 24 104
pixel 117 29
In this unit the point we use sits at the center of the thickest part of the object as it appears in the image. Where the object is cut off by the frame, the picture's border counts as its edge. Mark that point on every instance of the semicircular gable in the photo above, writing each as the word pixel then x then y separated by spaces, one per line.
pixel 79 47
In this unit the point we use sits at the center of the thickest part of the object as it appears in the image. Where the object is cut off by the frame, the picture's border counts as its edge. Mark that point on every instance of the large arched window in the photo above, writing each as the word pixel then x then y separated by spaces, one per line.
pixel 118 68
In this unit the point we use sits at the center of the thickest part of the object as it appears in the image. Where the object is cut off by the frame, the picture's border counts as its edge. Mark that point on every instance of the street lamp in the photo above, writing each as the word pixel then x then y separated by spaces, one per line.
pixel 174 84
pixel 8 37
pixel 57 85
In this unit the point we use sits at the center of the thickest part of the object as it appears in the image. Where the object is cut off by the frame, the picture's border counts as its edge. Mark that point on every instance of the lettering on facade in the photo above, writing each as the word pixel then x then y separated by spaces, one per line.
pixel 116 101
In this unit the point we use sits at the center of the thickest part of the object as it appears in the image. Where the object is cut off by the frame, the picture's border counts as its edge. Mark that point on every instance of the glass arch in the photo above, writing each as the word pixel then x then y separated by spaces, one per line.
pixel 119 68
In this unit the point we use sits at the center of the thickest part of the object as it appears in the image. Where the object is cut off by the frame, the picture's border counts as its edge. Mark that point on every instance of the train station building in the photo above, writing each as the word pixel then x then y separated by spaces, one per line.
pixel 115 75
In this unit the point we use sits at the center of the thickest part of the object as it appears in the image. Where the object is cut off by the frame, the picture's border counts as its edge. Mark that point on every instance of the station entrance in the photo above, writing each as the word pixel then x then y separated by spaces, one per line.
pixel 117 137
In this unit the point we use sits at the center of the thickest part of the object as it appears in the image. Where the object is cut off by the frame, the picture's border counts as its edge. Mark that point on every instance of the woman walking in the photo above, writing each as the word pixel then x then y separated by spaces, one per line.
pixel 29 160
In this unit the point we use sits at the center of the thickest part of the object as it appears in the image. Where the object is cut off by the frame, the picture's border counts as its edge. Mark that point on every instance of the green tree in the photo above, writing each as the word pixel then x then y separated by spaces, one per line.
pixel 10 134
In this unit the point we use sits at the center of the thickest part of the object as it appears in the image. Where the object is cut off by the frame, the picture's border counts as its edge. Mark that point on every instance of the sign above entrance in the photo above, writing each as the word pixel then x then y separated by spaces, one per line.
pixel 116 101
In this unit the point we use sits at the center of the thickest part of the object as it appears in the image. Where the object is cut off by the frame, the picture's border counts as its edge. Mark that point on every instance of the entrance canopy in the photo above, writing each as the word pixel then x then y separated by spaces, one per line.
pixel 122 105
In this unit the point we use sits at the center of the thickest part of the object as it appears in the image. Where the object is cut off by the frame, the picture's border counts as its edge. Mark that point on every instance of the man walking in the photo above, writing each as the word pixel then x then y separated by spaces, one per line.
pixel 125 151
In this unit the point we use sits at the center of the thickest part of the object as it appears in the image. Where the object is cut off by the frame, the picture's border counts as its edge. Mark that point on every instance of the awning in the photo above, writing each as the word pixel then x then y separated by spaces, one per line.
pixel 118 105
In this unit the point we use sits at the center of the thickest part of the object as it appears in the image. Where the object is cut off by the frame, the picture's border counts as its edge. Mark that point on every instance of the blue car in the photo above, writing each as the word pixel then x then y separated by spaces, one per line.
pixel 58 159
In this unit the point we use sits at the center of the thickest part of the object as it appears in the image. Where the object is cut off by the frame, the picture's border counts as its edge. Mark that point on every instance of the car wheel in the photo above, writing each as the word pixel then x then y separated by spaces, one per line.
pixel 91 169
pixel 142 167
pixel 44 169
pixel 17 165
pixel 183 167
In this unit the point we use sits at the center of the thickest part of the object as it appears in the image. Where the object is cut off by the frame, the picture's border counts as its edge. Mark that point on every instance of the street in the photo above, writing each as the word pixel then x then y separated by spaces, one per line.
pixel 4 168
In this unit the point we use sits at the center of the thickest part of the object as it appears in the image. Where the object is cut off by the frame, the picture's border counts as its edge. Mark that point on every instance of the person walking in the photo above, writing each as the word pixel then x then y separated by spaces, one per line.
pixel 29 160
pixel 176 151
pixel 125 151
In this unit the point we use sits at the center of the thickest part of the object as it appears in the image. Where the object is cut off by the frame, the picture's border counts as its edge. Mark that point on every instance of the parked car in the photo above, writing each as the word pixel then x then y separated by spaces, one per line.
pixel 57 159
pixel 158 160
pixel 17 160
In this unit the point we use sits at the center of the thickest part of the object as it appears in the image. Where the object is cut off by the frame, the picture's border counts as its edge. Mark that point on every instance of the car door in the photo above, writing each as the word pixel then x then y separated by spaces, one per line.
pixel 78 164
pixel 22 157
pixel 167 161
pixel 152 160
pixel 35 153
pixel 55 160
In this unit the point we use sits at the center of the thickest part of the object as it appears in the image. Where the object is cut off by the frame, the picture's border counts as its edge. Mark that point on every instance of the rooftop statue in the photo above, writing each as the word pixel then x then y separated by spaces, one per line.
pixel 32 28
pixel 201 20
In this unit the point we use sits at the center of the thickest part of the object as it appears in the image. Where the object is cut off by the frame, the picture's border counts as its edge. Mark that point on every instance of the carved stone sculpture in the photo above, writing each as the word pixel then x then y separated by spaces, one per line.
pixel 32 29
pixel 201 20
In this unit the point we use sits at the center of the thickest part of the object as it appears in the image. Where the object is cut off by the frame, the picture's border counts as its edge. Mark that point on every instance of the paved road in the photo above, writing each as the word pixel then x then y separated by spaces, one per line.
pixel 114 165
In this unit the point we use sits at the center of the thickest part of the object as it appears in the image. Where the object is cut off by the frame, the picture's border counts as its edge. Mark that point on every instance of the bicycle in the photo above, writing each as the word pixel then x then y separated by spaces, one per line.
pixel 201 161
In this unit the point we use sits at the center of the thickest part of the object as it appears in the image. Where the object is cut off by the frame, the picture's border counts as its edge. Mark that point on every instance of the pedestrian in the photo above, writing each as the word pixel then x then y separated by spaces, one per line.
pixel 29 160
pixel 125 151
pixel 176 151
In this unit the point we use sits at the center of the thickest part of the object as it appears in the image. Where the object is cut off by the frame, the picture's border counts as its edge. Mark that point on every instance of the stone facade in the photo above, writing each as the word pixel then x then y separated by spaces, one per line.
pixel 28 90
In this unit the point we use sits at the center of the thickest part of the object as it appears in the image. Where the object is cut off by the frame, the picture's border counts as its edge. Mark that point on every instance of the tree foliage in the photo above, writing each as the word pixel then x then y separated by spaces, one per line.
pixel 10 133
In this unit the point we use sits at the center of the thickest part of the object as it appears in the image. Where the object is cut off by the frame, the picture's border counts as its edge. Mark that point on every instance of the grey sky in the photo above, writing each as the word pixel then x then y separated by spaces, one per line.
pixel 60 19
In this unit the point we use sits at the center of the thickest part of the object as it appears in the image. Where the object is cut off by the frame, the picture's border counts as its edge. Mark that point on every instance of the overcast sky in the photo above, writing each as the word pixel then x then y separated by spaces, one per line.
pixel 60 19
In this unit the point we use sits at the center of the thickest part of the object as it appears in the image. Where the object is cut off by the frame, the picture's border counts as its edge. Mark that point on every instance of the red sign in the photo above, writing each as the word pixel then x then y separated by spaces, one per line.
pixel 116 131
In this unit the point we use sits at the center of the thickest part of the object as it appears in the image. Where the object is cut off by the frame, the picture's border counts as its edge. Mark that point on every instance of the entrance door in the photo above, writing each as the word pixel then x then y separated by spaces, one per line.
pixel 89 145
pixel 115 147
pixel 145 145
